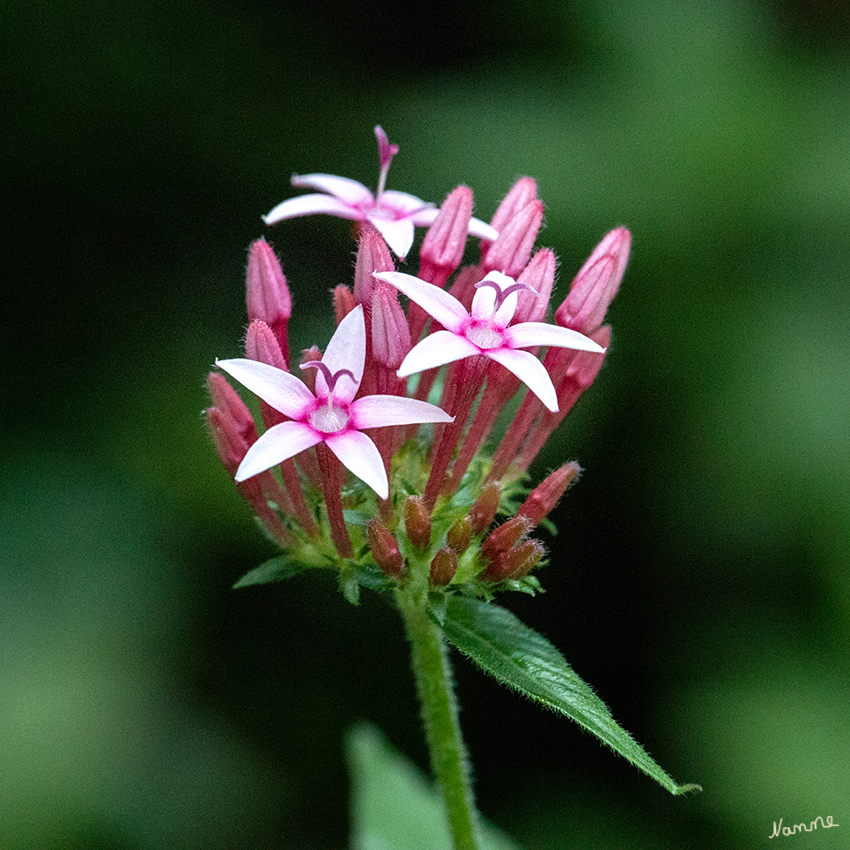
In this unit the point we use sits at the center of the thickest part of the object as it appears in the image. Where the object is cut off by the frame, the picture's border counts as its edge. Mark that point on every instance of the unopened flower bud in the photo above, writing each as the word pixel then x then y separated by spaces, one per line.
pixel 547 493
pixel 540 275
pixel 460 535
pixel 505 537
pixel 443 567
pixel 463 286
pixel 373 255
pixel 343 302
pixel 510 252
pixel 384 548
pixel 483 512
pixel 232 408
pixel 523 191
pixel 596 284
pixel 417 522
pixel 268 297
pixel 444 243
pixel 516 562
pixel 229 443
pixel 261 344
pixel 390 331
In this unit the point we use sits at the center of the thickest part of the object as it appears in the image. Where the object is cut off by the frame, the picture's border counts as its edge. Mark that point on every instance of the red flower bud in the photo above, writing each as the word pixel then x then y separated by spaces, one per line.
pixel 546 494
pixel 384 549
pixel 443 567
pixel 505 537
pixel 417 522
pixel 516 562
pixel 483 512
pixel 460 535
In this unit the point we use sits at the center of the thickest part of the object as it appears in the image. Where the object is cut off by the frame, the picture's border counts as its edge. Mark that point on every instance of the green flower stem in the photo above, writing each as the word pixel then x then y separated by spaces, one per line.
pixel 435 685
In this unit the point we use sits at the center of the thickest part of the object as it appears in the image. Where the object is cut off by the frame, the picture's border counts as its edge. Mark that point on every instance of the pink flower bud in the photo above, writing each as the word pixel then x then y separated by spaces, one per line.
pixel 261 344
pixel 268 297
pixel 444 243
pixel 521 193
pixel 310 355
pixel 443 567
pixel 229 442
pixel 540 275
pixel 237 418
pixel 373 255
pixel 547 493
pixel 390 331
pixel 417 522
pixel 343 302
pixel 596 284
pixel 510 252
pixel 384 548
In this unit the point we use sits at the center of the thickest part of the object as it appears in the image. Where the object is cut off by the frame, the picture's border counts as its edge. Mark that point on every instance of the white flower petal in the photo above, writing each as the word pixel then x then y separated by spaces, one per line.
pixel 483 303
pixel 360 455
pixel 482 230
pixel 507 308
pixel 311 205
pixel 402 203
pixel 425 217
pixel 397 233
pixel 352 192
pixel 377 411
pixel 530 371
pixel 283 391
pixel 346 350
pixel 445 308
pixel 540 333
pixel 435 350
pixel 279 443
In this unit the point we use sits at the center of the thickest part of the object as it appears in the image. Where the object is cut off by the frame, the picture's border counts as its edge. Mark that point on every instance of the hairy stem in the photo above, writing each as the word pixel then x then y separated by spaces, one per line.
pixel 435 685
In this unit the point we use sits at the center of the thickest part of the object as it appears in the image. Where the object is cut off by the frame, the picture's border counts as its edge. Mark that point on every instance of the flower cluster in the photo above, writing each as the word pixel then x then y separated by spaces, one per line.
pixel 374 460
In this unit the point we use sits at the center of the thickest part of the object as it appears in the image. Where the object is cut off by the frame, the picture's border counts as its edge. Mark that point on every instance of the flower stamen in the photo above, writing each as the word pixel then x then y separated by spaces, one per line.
pixel 330 377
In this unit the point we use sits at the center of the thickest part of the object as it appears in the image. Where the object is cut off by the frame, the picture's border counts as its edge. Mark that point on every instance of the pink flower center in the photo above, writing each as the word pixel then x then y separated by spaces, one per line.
pixel 485 336
pixel 329 419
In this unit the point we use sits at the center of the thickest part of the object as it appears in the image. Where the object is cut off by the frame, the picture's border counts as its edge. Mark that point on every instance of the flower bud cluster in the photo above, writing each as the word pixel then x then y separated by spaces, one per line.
pixel 373 458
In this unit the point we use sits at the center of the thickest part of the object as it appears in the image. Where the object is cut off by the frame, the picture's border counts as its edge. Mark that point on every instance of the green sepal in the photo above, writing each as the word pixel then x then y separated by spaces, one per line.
pixel 437 607
pixel 276 569
pixel 524 660
pixel 349 585
pixel 353 576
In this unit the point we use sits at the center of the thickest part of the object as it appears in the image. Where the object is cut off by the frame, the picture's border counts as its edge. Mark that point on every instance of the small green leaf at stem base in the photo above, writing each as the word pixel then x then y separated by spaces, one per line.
pixel 276 569
pixel 524 660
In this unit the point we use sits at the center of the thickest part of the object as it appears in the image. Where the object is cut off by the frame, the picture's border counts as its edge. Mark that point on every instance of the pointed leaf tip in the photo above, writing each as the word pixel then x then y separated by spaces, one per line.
pixel 524 660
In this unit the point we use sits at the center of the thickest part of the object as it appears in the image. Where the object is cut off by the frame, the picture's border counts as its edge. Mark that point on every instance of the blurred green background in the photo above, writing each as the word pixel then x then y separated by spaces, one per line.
pixel 700 580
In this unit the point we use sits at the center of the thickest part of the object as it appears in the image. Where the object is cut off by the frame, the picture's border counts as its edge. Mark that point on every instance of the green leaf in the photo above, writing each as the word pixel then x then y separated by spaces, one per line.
pixel 394 805
pixel 276 569
pixel 523 659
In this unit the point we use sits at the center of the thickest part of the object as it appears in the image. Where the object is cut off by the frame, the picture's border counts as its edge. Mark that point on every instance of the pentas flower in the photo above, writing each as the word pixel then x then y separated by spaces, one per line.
pixel 393 214
pixel 485 330
pixel 332 415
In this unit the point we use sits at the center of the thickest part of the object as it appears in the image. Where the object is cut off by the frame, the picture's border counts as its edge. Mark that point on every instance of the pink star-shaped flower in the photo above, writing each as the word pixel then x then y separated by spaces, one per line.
pixel 393 214
pixel 333 415
pixel 486 330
